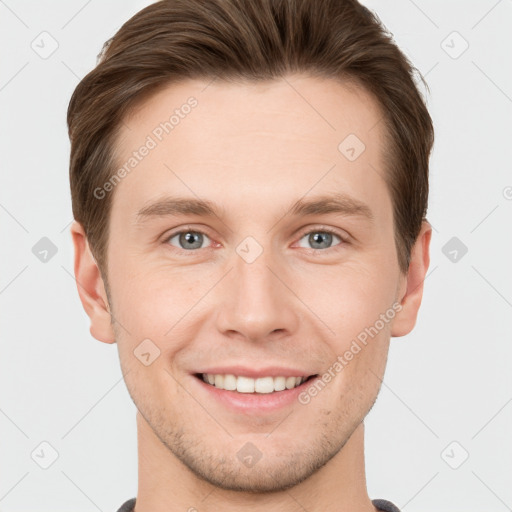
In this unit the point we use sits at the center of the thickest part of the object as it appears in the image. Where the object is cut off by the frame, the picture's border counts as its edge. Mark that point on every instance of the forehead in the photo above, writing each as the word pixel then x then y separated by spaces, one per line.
pixel 249 144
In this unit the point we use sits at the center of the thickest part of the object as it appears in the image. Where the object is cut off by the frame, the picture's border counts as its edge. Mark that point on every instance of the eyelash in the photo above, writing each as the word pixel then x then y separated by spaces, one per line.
pixel 321 229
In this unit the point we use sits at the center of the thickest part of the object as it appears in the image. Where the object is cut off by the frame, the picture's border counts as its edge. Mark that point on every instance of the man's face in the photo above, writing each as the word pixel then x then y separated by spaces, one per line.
pixel 257 287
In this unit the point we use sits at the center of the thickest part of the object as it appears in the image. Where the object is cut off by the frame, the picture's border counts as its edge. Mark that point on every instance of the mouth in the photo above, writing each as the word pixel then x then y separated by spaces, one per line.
pixel 250 391
pixel 253 386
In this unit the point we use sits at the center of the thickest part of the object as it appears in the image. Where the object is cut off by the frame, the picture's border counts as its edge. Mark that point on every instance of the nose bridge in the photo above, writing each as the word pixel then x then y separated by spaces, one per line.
pixel 256 303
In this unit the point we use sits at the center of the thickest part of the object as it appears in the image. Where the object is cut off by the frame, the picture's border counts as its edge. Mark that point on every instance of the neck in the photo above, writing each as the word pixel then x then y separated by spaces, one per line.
pixel 166 485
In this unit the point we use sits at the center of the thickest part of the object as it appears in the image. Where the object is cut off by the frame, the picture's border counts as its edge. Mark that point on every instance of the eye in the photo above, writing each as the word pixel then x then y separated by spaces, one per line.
pixel 188 239
pixel 320 238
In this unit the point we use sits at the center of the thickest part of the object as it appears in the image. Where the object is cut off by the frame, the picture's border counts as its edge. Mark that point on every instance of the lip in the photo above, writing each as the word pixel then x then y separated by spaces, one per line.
pixel 253 403
pixel 269 371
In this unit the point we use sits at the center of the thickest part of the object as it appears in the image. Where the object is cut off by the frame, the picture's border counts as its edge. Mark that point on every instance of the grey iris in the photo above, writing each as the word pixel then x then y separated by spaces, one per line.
pixel 320 237
pixel 191 237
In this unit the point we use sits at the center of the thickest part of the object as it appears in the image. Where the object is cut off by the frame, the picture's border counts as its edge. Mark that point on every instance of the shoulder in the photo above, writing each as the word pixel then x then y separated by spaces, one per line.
pixel 385 506
pixel 127 506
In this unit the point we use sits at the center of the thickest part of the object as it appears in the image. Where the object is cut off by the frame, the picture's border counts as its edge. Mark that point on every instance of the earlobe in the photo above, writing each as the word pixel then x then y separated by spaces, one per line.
pixel 411 292
pixel 91 288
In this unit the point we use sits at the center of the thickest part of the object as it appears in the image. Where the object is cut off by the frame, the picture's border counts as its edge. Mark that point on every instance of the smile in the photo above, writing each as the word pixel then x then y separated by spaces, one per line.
pixel 242 384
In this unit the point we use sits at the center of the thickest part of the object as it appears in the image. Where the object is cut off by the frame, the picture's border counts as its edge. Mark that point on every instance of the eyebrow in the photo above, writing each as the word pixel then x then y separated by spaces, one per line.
pixel 334 203
pixel 341 204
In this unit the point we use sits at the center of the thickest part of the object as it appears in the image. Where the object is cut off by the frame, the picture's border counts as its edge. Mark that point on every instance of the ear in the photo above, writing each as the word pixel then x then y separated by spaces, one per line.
pixel 91 288
pixel 411 288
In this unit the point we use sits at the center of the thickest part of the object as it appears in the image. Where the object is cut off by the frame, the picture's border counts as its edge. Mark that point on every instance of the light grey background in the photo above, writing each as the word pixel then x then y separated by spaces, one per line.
pixel 447 391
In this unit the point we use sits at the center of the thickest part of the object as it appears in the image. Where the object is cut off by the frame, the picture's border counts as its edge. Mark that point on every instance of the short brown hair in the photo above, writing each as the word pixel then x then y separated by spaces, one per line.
pixel 253 40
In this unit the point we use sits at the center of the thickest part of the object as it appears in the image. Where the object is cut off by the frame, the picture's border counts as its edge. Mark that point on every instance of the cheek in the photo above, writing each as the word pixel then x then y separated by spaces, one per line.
pixel 356 303
pixel 147 340
pixel 153 314
pixel 146 302
pixel 354 297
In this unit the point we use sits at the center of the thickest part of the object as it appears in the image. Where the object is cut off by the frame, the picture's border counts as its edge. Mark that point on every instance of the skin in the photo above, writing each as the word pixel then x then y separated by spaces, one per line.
pixel 254 150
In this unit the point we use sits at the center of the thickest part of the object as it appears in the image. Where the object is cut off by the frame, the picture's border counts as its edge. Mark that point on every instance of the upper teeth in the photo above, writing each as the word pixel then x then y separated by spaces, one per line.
pixel 248 385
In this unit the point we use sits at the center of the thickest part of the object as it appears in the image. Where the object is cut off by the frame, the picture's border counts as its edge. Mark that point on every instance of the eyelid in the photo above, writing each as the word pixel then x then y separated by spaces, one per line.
pixel 344 237
pixel 319 228
pixel 185 229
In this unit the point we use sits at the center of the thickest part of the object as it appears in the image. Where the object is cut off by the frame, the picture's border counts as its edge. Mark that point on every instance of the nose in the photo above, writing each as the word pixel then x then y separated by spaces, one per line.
pixel 257 302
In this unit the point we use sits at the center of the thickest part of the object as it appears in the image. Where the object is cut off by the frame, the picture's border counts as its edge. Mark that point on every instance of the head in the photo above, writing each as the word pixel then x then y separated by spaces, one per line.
pixel 211 145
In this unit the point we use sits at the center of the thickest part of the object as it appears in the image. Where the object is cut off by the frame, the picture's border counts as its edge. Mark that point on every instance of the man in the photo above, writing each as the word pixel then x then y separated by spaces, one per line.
pixel 249 184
